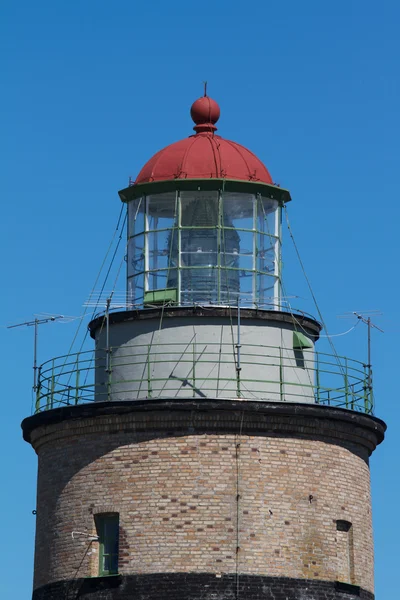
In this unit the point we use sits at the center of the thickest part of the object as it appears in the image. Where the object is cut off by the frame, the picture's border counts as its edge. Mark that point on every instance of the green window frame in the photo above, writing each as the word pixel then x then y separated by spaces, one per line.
pixel 107 526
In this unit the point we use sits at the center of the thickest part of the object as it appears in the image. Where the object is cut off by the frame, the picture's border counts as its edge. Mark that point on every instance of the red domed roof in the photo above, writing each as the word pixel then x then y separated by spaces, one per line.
pixel 204 155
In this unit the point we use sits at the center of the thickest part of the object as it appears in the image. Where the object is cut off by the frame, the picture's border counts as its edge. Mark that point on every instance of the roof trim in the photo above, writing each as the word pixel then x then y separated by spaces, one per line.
pixel 220 184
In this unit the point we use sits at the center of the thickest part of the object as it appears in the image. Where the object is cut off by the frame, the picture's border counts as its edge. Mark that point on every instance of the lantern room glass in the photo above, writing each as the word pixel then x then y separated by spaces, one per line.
pixel 204 247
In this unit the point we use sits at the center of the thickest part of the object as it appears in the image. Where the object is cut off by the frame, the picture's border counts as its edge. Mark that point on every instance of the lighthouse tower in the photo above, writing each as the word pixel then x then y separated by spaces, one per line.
pixel 204 449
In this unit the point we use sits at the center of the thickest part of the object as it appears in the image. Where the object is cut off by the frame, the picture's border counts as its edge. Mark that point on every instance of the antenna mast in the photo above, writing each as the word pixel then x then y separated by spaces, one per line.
pixel 367 320
pixel 35 324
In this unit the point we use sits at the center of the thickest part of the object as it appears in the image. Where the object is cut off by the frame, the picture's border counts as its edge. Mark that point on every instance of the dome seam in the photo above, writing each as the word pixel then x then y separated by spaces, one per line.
pixel 234 145
pixel 218 168
pixel 185 155
pixel 253 155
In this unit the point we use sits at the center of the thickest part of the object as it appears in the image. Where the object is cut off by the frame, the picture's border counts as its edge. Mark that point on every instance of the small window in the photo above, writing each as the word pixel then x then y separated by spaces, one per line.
pixel 107 526
pixel 343 525
pixel 345 551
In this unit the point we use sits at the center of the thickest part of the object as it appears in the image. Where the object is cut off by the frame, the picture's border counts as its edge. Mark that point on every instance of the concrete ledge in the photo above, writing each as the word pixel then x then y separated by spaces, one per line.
pixel 358 432
pixel 305 321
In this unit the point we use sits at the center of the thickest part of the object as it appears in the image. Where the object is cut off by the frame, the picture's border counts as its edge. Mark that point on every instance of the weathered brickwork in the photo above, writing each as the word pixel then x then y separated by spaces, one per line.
pixel 209 501
pixel 196 586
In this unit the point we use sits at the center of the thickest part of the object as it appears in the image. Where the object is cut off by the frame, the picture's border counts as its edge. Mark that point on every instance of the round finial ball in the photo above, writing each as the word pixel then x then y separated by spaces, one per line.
pixel 205 110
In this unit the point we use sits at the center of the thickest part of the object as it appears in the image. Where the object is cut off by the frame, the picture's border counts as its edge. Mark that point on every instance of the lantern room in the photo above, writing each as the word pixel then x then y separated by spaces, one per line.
pixel 204 224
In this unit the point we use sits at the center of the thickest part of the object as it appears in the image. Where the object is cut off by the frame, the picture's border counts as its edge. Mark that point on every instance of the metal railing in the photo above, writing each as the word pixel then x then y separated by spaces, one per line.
pixel 194 370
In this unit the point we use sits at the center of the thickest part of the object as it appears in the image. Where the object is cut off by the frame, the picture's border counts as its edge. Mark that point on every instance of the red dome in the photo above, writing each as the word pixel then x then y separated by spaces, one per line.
pixel 204 155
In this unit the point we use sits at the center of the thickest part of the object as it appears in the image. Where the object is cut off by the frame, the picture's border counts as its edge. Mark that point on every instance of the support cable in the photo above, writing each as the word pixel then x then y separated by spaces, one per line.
pixel 312 293
pixel 91 295
pixel 277 257
pixel 73 579
pixel 105 319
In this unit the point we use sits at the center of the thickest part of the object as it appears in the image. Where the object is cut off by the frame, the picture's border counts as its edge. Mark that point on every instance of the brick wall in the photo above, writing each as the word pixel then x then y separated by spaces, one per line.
pixel 205 490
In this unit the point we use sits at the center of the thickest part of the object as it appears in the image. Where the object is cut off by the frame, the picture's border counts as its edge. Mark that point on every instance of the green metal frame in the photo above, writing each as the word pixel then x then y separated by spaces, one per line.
pixel 161 296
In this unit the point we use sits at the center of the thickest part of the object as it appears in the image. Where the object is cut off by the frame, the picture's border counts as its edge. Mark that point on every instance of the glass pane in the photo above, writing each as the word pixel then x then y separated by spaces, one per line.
pixel 246 262
pixel 161 211
pixel 135 289
pixel 230 260
pixel 247 287
pixel 136 255
pixel 199 247
pixel 161 244
pixel 266 293
pixel 266 215
pixel 199 209
pixel 267 248
pixel 159 280
pixel 106 563
pixel 238 210
pixel 136 216
pixel 199 285
pixel 230 247
pixel 237 249
pixel 229 286
pixel 172 279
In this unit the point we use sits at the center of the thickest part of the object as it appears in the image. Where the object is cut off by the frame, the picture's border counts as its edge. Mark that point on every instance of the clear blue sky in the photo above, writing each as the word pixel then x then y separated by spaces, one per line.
pixel 91 89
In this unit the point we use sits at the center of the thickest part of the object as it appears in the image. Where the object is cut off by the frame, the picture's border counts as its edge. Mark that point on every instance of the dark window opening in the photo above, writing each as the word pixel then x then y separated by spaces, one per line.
pixel 343 525
pixel 107 526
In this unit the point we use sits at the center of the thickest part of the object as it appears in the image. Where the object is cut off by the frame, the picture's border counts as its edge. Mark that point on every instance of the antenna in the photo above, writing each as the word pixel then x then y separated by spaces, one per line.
pixel 113 299
pixel 365 317
pixel 35 324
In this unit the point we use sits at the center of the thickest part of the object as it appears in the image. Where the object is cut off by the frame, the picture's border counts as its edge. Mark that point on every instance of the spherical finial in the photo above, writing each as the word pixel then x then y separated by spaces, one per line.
pixel 205 113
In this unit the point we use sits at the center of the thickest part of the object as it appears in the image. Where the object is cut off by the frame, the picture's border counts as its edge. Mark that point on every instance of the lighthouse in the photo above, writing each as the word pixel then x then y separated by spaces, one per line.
pixel 204 449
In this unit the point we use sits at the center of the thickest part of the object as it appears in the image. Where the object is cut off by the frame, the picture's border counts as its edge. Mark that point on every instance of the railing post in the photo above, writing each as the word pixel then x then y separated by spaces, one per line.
pixel 365 386
pixel 52 387
pixel 77 377
pixel 318 382
pixel 238 347
pixel 346 383
pixel 77 383
pixel 281 389
pixel 109 373
pixel 194 369
pixel 39 385
pixel 149 390
pixel 370 394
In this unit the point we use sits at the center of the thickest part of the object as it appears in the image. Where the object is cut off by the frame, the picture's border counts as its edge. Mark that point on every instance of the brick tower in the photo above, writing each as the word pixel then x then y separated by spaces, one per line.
pixel 204 450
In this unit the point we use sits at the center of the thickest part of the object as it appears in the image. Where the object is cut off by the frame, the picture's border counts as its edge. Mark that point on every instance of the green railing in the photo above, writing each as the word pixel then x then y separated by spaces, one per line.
pixel 199 371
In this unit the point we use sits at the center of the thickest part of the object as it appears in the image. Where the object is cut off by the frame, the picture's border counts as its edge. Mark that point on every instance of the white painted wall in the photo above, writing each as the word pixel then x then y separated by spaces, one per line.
pixel 193 357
